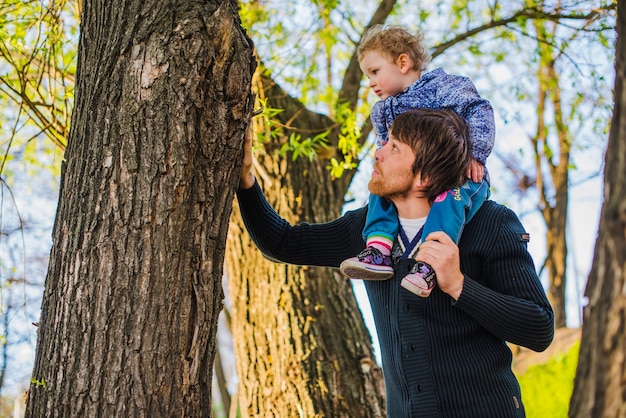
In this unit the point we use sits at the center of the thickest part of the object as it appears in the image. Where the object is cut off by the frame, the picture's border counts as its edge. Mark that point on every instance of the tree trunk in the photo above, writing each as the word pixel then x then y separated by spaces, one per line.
pixel 301 344
pixel 556 220
pixel 552 163
pixel 599 384
pixel 133 290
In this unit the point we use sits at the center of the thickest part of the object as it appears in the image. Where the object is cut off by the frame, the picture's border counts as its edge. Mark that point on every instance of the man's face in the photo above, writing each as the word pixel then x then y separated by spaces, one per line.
pixel 392 176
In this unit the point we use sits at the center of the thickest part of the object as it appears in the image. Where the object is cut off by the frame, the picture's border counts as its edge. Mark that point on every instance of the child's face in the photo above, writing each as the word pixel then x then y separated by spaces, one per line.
pixel 387 78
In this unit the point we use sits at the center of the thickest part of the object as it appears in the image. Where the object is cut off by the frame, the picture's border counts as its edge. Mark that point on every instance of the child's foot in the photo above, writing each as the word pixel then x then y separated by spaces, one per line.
pixel 370 264
pixel 420 280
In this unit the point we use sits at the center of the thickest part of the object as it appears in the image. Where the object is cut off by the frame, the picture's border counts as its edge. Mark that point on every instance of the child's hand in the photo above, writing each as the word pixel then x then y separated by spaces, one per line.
pixel 476 171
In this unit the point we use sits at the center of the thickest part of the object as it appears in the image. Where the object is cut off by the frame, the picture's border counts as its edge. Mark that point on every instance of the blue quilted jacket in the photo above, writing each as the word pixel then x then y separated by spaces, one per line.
pixel 436 90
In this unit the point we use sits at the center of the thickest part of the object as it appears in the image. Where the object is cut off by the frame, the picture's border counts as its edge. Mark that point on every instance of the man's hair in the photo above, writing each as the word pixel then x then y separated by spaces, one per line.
pixel 394 40
pixel 442 148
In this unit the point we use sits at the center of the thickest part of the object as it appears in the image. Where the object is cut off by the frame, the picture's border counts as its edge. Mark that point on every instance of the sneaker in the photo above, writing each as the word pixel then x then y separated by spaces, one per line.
pixel 370 264
pixel 420 280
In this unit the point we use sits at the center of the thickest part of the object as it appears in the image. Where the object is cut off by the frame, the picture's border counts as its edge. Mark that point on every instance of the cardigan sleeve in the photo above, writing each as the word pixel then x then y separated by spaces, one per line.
pixel 324 244
pixel 508 298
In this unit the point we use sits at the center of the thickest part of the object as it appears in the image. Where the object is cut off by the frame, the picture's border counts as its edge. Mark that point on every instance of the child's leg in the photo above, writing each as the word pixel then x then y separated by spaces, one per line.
pixel 449 213
pixel 381 228
pixel 381 224
pixel 453 209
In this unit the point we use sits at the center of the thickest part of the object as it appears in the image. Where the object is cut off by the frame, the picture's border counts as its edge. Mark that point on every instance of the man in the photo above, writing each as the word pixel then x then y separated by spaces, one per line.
pixel 446 355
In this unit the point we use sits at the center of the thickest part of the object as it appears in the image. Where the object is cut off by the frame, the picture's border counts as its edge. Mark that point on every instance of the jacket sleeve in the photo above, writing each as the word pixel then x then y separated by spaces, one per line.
pixel 379 122
pixel 462 97
pixel 507 298
pixel 324 244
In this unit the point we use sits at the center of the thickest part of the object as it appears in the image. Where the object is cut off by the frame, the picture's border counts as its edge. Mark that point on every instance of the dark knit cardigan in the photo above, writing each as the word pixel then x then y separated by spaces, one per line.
pixel 440 357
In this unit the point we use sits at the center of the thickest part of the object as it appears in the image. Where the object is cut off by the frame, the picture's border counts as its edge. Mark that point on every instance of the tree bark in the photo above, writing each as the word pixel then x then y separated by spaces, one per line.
pixel 133 290
pixel 599 384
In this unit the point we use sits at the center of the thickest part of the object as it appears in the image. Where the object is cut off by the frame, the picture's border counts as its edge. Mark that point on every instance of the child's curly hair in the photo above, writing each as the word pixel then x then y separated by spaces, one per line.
pixel 394 40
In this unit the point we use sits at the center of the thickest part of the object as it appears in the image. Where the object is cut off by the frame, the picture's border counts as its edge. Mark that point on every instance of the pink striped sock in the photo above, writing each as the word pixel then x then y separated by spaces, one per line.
pixel 381 244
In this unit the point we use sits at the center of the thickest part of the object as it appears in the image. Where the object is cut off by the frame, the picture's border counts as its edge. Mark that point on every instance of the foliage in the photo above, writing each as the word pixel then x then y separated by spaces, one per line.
pixel 269 127
pixel 37 68
pixel 547 388
pixel 38 42
pixel 307 147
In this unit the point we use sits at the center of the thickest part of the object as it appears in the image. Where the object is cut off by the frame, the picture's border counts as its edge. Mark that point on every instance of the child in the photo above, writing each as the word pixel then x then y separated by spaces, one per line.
pixel 393 61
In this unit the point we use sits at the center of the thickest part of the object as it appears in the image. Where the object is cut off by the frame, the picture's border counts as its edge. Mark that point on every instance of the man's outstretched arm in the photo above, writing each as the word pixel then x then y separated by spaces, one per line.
pixel 325 244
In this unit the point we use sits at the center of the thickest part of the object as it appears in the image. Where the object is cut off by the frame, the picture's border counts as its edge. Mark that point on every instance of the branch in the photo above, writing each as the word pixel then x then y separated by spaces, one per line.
pixel 352 78
pixel 526 14
pixel 295 116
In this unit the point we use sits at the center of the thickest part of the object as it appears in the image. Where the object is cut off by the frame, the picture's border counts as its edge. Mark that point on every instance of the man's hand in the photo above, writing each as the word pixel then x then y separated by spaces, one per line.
pixel 476 171
pixel 247 172
pixel 442 254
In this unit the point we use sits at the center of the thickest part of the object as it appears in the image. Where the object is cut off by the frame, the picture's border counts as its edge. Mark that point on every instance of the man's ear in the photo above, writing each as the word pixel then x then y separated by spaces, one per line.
pixel 420 182
pixel 404 62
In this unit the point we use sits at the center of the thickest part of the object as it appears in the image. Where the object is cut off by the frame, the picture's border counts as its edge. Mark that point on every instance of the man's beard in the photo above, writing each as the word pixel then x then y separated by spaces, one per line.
pixel 389 189
pixel 377 186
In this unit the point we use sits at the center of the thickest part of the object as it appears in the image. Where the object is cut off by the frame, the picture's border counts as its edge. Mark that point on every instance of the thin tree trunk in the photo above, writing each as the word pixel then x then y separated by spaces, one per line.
pixel 599 384
pixel 222 382
pixel 133 291
pixel 552 165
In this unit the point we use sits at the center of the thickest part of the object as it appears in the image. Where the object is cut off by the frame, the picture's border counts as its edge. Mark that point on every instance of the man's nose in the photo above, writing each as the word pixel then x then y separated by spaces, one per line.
pixel 378 154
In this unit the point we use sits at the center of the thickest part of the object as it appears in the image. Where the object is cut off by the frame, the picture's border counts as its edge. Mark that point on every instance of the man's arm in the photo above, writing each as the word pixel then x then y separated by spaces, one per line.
pixel 507 297
pixel 505 294
pixel 326 244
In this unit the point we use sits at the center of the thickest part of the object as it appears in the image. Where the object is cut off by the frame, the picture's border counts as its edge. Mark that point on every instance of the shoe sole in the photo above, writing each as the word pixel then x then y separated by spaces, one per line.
pixel 416 290
pixel 360 271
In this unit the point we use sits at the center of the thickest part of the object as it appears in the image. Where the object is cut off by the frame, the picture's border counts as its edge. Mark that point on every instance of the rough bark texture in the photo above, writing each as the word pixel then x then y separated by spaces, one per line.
pixel 599 388
pixel 133 290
